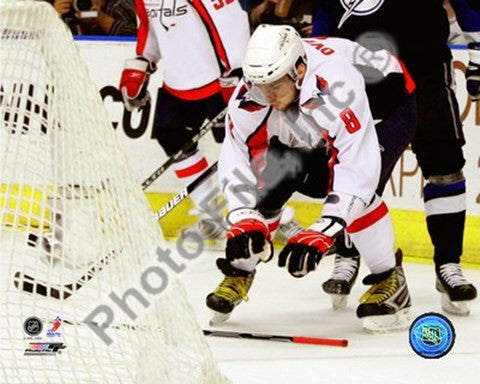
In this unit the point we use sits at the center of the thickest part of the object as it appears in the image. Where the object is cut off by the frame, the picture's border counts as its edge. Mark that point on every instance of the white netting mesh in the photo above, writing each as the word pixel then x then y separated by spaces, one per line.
pixel 76 227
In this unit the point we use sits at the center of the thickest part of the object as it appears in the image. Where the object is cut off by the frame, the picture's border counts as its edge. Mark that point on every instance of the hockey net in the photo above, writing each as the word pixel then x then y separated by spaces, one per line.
pixel 77 231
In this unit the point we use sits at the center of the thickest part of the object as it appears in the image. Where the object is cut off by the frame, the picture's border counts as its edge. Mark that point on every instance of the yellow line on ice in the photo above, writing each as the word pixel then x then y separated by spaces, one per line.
pixel 410 228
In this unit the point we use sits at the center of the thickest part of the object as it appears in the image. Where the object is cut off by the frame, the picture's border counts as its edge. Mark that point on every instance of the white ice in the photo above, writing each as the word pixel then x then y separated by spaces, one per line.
pixel 281 304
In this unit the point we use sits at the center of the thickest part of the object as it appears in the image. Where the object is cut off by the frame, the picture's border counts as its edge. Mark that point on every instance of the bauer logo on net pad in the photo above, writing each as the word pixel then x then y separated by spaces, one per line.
pixel 432 335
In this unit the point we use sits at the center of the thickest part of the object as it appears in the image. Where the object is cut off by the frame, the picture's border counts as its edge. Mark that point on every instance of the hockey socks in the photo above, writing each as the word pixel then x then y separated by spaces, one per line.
pixel 189 169
pixel 445 206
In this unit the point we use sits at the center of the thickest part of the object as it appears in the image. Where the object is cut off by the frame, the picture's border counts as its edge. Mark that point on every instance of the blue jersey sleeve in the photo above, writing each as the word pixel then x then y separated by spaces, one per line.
pixel 468 14
pixel 322 25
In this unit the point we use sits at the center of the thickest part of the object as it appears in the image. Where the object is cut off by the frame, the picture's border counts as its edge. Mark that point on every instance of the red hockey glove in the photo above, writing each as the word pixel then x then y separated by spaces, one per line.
pixel 134 82
pixel 304 251
pixel 248 240
pixel 473 71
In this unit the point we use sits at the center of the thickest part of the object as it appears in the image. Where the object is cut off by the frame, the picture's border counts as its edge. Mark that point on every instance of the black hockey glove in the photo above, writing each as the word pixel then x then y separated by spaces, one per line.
pixel 248 239
pixel 304 251
pixel 473 71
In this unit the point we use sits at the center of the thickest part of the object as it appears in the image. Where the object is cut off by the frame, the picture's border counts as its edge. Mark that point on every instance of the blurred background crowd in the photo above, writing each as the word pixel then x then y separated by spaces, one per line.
pixel 117 17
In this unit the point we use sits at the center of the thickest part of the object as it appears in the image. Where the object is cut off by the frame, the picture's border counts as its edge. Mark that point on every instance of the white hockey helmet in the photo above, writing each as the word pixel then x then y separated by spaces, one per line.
pixel 272 52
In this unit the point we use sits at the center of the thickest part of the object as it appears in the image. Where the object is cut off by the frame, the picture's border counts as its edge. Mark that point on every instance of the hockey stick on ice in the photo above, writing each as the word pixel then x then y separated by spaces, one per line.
pixel 203 130
pixel 234 334
pixel 29 284
pixel 293 339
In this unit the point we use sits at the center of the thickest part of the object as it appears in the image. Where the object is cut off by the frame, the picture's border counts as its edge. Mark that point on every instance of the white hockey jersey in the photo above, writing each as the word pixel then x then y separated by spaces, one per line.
pixel 333 110
pixel 197 40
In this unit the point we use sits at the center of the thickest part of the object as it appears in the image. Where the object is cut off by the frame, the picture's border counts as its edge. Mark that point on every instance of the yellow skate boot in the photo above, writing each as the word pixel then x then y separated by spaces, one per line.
pixel 385 306
pixel 230 292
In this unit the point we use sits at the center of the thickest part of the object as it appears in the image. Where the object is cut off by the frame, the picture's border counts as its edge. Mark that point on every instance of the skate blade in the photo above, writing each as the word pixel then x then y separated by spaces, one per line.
pixel 338 301
pixel 397 322
pixel 219 318
pixel 458 308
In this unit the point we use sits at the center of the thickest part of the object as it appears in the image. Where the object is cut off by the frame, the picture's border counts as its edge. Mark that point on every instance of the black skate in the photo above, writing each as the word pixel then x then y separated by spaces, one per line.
pixel 210 231
pixel 456 291
pixel 343 278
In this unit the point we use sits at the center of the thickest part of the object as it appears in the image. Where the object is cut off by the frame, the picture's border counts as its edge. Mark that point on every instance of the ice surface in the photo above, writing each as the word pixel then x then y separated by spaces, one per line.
pixel 281 304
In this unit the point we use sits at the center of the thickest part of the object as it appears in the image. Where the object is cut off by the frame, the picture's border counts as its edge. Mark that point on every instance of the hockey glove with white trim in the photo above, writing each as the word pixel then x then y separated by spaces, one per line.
pixel 228 83
pixel 248 239
pixel 304 251
pixel 473 71
pixel 134 82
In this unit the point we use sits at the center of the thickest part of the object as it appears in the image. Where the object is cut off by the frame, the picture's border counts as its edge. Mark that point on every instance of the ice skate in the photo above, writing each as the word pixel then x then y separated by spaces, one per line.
pixel 209 230
pixel 288 230
pixel 47 245
pixel 343 278
pixel 230 292
pixel 385 306
pixel 456 291
pixel 288 227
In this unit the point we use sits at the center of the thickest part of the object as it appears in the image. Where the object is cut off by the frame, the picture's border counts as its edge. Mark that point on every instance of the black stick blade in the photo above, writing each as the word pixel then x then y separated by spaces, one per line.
pixel 28 284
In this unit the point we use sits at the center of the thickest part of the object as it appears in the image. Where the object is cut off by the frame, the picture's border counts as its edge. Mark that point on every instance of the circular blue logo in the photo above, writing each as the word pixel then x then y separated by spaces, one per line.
pixel 432 335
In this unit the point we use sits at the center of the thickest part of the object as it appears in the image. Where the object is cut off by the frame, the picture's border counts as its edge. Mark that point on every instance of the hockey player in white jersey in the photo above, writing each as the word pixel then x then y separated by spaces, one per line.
pixel 201 54
pixel 301 121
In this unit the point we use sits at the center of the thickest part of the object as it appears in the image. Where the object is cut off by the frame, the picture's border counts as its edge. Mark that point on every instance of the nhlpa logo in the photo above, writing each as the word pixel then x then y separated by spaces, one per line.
pixel 359 8
pixel 52 332
pixel 246 101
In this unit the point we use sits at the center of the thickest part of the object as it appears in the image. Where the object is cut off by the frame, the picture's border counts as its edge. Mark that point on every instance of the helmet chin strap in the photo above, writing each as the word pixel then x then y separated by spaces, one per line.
pixel 298 84
pixel 295 78
pixel 294 75
pixel 297 81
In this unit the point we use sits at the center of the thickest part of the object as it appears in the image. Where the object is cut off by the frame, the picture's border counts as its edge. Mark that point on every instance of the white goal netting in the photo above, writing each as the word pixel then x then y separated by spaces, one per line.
pixel 79 245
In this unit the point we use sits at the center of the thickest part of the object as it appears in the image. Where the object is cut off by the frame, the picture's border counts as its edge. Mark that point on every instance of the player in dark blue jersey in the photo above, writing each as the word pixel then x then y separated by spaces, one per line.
pixel 417 31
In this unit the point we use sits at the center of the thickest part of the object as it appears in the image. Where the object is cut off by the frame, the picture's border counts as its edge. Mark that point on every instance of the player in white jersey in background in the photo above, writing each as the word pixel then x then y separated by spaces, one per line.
pixel 301 121
pixel 201 44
